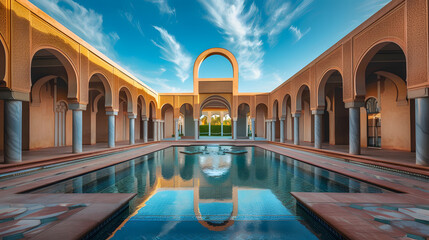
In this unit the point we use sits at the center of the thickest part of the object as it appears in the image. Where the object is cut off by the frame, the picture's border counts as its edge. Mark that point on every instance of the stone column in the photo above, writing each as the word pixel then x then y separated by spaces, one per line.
pixel 12 131
pixel 221 123
pixel 268 131
pixel 282 130
pixel 176 129
pixel 111 128
pixel 273 130
pixel 77 126
pixel 145 130
pixel 296 128
pixel 132 118
pixel 253 128
pixel 422 131
pixel 235 128
pixel 354 130
pixel 196 132
pixel 155 130
pixel 354 126
pixel 161 128
pixel 209 120
pixel 318 128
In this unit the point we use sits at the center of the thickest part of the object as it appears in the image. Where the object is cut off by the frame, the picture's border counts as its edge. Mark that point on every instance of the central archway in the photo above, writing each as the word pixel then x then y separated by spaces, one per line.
pixel 215 116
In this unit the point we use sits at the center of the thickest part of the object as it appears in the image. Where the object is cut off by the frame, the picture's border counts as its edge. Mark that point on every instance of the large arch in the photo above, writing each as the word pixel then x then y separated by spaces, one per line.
pixel 46 52
pixel 215 104
pixel 276 121
pixel 216 51
pixel 141 115
pixel 151 120
pixel 382 76
pixel 54 85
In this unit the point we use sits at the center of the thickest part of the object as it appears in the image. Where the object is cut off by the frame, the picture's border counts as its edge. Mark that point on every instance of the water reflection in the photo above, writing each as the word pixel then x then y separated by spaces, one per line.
pixel 215 189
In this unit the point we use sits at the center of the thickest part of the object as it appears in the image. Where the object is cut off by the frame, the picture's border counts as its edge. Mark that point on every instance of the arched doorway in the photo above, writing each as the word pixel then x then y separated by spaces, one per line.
pixel 141 118
pixel 306 123
pixel 275 124
pixel 151 122
pixel 124 114
pixel 381 81
pixel 51 77
pixel 217 109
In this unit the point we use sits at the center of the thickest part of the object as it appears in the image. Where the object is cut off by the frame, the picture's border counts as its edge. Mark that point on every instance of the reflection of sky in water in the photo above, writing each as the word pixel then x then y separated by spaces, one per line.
pixel 256 184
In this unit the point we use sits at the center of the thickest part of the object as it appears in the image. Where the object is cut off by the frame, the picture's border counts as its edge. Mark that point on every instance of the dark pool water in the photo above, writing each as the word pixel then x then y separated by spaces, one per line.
pixel 214 192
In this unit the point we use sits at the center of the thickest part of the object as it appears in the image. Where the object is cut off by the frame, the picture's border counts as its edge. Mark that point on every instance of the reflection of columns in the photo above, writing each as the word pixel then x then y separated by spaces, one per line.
pixel 132 118
pixel 111 128
pixel 78 185
pixel 77 126
pixel 159 130
pixel 196 132
pixel 209 120
pixel 253 129
pixel 318 128
pixel 273 130
pixel 221 123
pixel 354 126
pixel 12 131
pixel 235 128
pixel 282 130
pixel 145 130
pixel 155 130
pixel 296 128
pixel 422 131
pixel 176 129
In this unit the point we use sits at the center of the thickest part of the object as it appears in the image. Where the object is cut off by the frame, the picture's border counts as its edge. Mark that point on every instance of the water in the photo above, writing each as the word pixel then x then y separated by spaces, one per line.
pixel 208 193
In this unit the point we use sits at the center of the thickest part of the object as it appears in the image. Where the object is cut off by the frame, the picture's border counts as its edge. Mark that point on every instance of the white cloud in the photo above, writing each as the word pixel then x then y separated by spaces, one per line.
pixel 163 6
pixel 86 23
pixel 297 32
pixel 133 21
pixel 282 15
pixel 172 51
pixel 243 28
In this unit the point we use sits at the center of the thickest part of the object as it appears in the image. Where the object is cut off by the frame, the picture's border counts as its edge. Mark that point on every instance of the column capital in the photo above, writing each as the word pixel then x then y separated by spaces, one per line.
pixel 234 119
pixel 110 113
pixel 318 112
pixel 354 104
pixel 196 120
pixel 252 119
pixel 297 114
pixel 7 94
pixel 144 118
pixel 77 106
pixel 418 93
pixel 132 116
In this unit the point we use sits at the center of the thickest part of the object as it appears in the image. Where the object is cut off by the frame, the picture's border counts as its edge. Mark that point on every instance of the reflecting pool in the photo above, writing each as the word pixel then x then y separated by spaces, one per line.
pixel 214 192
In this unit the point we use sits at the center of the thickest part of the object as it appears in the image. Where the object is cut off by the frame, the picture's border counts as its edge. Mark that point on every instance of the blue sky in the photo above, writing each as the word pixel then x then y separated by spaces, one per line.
pixel 159 40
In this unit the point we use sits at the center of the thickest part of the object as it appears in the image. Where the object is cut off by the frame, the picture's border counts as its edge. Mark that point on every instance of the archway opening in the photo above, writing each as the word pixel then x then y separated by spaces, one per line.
pixel 186 121
pixel 306 122
pixel 141 115
pixel 276 121
pixel 167 115
pixel 50 79
pixel 215 120
pixel 243 121
pixel 261 117
pixel 122 119
pixel 2 83
pixel 287 117
pixel 335 121
pixel 150 124
pixel 95 120
pixel 388 119
pixel 215 66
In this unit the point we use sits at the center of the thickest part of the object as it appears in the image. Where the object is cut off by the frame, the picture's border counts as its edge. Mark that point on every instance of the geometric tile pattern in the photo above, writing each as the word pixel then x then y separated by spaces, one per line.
pixel 400 221
pixel 22 221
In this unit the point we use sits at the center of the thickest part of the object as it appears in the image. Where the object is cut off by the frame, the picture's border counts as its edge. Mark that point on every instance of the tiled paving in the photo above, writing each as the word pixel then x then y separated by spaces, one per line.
pixel 356 216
